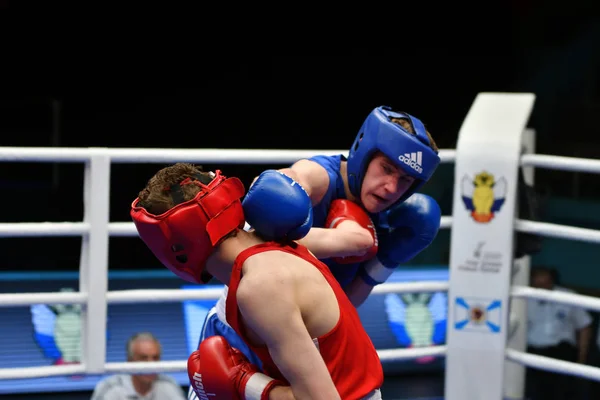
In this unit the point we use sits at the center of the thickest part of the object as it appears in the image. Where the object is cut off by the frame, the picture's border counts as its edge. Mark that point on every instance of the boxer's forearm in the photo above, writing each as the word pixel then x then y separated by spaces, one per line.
pixel 282 393
pixel 358 290
pixel 338 242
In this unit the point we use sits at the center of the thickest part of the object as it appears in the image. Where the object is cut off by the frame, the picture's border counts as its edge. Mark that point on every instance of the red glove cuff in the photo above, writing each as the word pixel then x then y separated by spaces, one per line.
pixel 341 210
pixel 259 386
pixel 272 384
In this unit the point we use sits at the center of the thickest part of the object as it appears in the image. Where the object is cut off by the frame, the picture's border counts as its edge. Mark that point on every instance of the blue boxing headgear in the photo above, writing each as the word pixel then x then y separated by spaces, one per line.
pixel 410 152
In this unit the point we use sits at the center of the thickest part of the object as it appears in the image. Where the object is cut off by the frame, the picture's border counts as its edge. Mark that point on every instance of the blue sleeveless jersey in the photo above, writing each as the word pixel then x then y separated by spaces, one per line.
pixel 334 191
pixel 344 273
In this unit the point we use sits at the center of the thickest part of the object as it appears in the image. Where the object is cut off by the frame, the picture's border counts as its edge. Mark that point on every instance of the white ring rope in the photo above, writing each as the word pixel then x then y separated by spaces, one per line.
pixel 554 365
pixel 446 222
pixel 137 155
pixel 44 229
pixel 175 295
pixel 178 366
pixel 27 299
pixel 411 354
pixel 127 229
pixel 42 372
pixel 411 287
pixel 559 163
pixel 572 299
pixel 525 359
pixel 558 231
pixel 65 229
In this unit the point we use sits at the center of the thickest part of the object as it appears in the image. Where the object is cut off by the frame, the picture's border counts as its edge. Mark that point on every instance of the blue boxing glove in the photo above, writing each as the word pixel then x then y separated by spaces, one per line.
pixel 413 225
pixel 277 207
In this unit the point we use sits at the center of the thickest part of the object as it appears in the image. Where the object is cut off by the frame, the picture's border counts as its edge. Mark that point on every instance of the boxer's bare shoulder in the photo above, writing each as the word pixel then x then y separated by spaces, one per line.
pixel 312 176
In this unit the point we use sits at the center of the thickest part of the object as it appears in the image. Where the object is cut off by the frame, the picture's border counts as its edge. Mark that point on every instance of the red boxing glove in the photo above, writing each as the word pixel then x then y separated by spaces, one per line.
pixel 341 210
pixel 218 371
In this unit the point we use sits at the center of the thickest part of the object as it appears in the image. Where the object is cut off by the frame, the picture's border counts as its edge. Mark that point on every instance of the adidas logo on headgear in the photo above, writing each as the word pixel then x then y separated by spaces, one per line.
pixel 413 160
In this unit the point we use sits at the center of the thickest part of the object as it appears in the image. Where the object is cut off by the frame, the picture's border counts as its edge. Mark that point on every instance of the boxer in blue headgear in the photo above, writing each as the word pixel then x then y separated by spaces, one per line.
pixel 367 218
pixel 391 157
pixel 411 152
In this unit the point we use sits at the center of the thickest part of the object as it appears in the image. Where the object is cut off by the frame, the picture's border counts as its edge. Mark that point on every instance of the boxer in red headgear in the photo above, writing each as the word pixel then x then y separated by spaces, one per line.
pixel 284 303
pixel 213 213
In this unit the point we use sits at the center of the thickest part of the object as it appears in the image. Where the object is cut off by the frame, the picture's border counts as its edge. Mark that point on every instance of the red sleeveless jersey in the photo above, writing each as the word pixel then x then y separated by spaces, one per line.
pixel 347 350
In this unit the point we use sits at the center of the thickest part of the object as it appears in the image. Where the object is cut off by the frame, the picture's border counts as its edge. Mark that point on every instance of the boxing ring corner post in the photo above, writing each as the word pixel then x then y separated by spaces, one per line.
pixel 93 265
pixel 489 147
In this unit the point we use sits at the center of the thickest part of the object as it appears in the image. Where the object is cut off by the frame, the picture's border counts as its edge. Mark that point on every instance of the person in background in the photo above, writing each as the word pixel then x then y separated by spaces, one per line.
pixel 558 331
pixel 593 387
pixel 143 346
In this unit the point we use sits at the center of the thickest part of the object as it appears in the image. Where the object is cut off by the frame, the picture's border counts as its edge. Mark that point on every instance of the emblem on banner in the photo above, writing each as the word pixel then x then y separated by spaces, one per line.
pixel 58 331
pixel 483 195
pixel 477 315
pixel 418 319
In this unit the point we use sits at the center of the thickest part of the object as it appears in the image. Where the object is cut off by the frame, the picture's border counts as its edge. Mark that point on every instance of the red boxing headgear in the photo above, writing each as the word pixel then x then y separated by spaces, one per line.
pixel 186 235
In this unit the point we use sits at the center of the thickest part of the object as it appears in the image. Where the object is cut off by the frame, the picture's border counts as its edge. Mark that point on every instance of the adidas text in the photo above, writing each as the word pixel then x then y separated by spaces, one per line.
pixel 413 160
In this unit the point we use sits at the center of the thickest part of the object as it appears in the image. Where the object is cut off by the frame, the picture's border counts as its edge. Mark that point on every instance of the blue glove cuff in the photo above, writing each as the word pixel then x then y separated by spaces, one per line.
pixel 373 272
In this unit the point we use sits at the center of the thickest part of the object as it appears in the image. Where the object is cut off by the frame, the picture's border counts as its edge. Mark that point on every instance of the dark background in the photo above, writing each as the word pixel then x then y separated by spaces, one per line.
pixel 162 83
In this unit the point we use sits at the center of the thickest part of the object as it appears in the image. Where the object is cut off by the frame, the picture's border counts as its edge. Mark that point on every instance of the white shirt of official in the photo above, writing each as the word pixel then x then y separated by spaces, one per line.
pixel 550 323
pixel 120 387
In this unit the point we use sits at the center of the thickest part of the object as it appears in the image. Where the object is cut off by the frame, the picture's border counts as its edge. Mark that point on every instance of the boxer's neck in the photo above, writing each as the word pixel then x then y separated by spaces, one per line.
pixel 220 263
